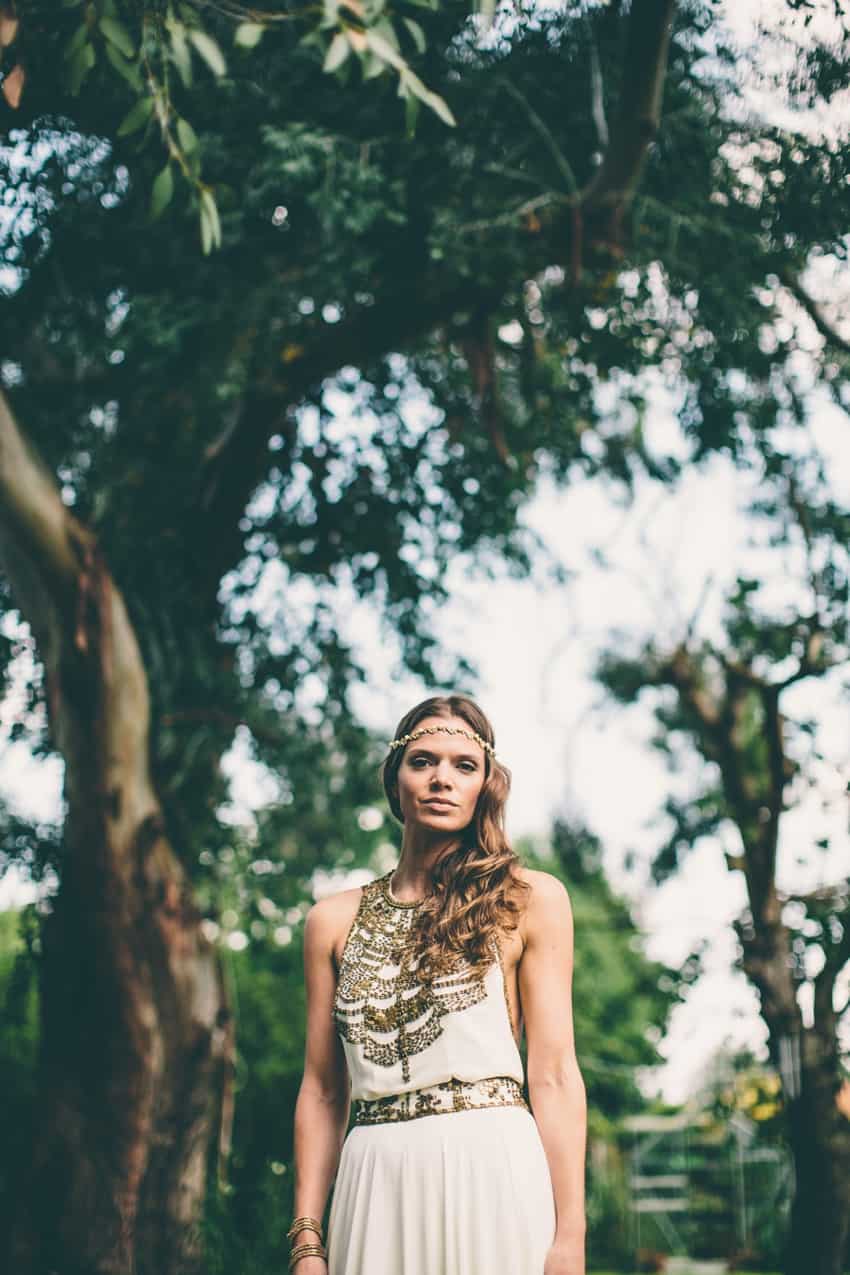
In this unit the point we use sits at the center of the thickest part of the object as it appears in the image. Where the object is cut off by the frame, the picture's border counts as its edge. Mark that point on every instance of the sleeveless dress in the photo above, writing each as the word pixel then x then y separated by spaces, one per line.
pixel 443 1171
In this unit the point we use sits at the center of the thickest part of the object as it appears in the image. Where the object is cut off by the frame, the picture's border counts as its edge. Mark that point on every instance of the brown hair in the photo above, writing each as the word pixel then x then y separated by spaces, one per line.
pixel 474 881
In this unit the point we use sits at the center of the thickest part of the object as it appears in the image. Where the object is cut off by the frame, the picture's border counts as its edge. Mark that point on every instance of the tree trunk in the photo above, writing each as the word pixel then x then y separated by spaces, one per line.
pixel 818 1131
pixel 136 1037
pixel 820 1143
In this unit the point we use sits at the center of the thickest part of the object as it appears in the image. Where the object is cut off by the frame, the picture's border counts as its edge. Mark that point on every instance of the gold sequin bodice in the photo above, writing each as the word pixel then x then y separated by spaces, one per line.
pixel 400 1033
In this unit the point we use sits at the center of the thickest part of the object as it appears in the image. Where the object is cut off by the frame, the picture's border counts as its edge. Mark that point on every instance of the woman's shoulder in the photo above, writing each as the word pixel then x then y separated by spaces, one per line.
pixel 546 894
pixel 332 915
pixel 542 885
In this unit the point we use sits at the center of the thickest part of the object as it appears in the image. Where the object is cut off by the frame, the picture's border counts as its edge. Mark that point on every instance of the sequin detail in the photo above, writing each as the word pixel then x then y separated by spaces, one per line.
pixel 380 1003
pixel 435 1100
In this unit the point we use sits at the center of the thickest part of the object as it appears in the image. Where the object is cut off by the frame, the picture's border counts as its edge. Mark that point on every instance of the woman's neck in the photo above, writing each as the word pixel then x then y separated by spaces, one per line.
pixel 413 878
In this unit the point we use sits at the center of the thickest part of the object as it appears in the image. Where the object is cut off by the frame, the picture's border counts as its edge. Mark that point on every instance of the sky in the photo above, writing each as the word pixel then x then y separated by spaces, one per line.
pixel 571 752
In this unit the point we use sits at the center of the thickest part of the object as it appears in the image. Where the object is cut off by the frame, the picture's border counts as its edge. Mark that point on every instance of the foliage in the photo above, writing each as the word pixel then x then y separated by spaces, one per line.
pixel 19 946
pixel 744 1096
pixel 153 53
pixel 621 998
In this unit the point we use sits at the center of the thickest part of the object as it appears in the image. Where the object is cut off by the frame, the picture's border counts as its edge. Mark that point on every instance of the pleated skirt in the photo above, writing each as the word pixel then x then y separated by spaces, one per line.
pixel 458 1193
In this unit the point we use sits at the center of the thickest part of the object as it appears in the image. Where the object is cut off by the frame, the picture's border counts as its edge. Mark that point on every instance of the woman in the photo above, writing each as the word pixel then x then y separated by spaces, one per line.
pixel 418 986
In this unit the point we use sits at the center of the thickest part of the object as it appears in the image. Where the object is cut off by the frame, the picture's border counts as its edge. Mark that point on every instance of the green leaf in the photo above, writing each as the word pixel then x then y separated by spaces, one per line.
pixel 206 230
pixel 118 35
pixel 136 117
pixel 411 112
pixel 209 51
pixel 372 66
pixel 417 33
pixel 433 100
pixel 441 108
pixel 187 136
pixel 385 51
pixel 385 29
pixel 76 42
pixel 338 50
pixel 128 70
pixel 208 203
pixel 311 38
pixel 80 66
pixel 163 189
pixel 248 34
pixel 180 55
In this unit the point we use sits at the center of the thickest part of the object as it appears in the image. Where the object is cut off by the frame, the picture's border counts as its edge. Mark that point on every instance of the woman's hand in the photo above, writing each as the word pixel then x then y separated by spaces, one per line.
pixel 565 1257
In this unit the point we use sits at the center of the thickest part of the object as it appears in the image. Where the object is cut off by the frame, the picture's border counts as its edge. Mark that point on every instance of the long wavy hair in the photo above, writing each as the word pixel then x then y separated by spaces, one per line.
pixel 475 886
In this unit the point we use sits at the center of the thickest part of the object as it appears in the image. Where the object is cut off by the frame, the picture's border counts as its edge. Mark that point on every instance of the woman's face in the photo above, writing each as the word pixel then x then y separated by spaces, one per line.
pixel 441 776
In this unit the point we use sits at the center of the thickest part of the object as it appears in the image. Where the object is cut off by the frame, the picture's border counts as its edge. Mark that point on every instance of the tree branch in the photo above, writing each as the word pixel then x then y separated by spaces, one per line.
pixel 597 97
pixel 97 689
pixel 836 957
pixel 33 518
pixel 237 465
pixel 827 330
pixel 639 109
pixel 546 136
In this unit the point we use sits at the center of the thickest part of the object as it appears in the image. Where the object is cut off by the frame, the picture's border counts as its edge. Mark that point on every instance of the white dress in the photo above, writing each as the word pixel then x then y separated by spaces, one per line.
pixel 443 1171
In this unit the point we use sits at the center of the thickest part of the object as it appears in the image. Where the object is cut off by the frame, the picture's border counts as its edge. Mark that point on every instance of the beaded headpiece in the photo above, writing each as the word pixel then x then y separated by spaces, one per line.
pixel 449 730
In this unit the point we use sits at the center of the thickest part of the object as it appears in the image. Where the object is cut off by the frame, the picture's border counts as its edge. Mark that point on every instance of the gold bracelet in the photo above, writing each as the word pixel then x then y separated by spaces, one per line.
pixel 304 1224
pixel 306 1250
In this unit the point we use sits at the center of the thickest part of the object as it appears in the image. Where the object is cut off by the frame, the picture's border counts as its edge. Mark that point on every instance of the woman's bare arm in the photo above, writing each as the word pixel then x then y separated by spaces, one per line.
pixel 322 1106
pixel 555 1085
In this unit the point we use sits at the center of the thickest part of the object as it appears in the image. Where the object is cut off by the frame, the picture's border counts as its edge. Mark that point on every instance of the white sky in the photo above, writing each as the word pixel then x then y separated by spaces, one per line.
pixel 571 752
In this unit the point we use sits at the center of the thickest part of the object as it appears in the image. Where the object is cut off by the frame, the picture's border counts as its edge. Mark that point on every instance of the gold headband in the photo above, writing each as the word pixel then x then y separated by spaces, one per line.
pixel 449 730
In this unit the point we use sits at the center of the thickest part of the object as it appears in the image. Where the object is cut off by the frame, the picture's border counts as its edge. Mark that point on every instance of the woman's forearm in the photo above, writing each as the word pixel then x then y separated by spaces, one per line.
pixel 321 1121
pixel 560 1109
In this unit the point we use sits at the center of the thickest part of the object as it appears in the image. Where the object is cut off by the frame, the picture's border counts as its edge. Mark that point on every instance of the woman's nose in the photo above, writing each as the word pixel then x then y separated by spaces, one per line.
pixel 442 774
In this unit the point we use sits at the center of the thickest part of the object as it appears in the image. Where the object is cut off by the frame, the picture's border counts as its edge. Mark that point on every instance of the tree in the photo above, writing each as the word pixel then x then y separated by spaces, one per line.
pixel 729 699
pixel 396 339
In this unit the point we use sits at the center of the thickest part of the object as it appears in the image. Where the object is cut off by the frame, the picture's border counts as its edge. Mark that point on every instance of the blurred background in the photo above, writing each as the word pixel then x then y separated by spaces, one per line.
pixel 357 356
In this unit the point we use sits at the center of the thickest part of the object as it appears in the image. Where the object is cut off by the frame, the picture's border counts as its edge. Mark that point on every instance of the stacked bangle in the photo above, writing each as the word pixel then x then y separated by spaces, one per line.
pixel 309 1249
pixel 303 1224
pixel 306 1250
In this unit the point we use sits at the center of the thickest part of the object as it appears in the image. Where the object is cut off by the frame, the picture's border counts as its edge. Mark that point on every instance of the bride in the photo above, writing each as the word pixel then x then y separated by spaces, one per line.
pixel 419 986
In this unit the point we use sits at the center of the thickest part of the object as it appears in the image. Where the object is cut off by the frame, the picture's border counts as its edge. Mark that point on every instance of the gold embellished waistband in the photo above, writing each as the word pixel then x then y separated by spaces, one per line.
pixel 435 1100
